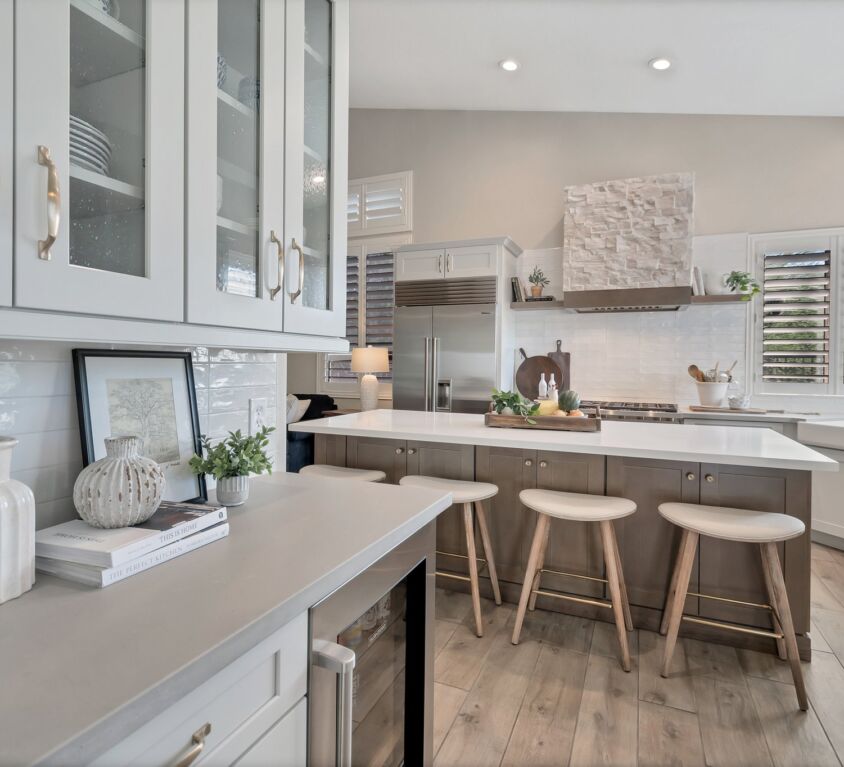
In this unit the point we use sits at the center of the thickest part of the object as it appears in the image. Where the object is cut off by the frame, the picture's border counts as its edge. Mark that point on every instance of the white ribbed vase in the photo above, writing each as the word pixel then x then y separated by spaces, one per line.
pixel 233 491
pixel 17 529
pixel 122 489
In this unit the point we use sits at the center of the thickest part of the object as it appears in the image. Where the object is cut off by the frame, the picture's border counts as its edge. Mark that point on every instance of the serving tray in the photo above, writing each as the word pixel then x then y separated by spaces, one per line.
pixel 546 422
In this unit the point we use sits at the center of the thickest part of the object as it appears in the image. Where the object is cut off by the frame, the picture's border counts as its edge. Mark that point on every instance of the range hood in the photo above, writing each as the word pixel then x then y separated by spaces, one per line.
pixel 627 244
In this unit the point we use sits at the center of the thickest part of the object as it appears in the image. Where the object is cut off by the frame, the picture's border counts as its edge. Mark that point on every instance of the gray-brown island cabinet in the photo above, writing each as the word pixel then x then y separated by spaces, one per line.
pixel 648 544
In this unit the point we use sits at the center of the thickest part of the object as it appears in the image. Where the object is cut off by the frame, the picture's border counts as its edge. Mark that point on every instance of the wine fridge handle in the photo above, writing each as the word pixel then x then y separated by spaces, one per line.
pixel 341 661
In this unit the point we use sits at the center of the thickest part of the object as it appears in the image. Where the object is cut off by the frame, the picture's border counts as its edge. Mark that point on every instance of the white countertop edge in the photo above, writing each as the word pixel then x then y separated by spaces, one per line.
pixel 110 730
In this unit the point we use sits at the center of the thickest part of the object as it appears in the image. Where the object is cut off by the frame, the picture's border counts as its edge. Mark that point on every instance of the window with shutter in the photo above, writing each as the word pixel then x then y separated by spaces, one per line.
pixel 796 311
pixel 380 204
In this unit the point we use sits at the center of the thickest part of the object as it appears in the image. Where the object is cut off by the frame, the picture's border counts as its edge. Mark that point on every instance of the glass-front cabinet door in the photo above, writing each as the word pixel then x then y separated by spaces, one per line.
pixel 316 172
pixel 235 161
pixel 99 116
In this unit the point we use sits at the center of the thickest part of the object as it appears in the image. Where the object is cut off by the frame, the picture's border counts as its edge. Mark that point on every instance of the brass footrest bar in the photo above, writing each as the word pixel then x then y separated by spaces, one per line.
pixel 734 627
pixel 571 598
pixel 453 576
pixel 730 601
pixel 574 575
pixel 459 556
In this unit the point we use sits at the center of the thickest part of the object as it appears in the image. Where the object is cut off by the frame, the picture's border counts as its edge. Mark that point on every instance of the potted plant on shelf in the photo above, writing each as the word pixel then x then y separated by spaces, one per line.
pixel 537 281
pixel 743 283
pixel 232 460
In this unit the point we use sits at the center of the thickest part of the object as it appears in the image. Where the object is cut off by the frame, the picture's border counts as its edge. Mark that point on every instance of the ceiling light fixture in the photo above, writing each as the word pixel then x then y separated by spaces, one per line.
pixel 509 65
pixel 659 64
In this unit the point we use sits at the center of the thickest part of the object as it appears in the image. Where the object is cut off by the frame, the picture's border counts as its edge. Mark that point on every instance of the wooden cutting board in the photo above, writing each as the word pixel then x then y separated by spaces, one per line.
pixel 529 372
pixel 563 360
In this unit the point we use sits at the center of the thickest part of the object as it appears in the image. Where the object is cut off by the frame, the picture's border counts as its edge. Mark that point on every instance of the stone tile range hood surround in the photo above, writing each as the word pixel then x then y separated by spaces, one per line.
pixel 627 244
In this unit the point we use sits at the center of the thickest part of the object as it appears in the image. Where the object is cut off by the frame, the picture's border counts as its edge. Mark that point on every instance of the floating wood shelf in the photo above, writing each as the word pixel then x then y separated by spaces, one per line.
pixel 728 298
pixel 520 306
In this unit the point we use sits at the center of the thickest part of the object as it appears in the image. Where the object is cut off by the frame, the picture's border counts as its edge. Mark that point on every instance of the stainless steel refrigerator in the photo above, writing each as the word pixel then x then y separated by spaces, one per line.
pixel 444 357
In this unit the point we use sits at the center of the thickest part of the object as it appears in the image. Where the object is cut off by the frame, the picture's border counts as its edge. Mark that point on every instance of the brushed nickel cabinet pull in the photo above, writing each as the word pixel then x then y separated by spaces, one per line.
pixel 528 462
pixel 441 264
pixel 709 478
pixel 195 749
pixel 54 204
pixel 293 296
pixel 690 476
pixel 411 451
pixel 543 464
pixel 277 289
pixel 399 450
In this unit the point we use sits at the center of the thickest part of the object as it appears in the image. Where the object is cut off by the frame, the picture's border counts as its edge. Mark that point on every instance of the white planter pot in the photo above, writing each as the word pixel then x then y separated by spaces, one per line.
pixel 232 491
pixel 17 529
pixel 120 490
pixel 711 394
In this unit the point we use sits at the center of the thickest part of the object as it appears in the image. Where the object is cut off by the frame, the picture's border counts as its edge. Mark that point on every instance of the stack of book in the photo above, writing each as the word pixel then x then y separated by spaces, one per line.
pixel 96 557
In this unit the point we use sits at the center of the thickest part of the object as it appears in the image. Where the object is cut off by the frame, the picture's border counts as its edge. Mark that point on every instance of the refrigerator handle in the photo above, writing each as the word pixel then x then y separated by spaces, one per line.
pixel 427 373
pixel 341 661
pixel 435 371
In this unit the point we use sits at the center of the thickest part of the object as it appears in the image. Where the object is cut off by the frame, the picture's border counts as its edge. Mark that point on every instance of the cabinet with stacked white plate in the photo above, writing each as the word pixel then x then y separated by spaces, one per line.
pixel 99 157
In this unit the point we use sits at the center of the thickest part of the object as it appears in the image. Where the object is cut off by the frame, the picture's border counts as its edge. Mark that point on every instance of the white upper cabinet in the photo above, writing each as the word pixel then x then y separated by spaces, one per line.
pixel 420 264
pixel 471 261
pixel 316 165
pixel 99 116
pixel 7 91
pixel 235 161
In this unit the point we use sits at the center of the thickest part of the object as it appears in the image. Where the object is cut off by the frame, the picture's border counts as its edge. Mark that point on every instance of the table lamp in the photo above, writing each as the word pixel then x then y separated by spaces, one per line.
pixel 368 361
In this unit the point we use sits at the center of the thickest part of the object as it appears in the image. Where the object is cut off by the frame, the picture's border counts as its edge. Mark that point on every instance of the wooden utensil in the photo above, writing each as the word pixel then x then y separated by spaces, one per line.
pixel 527 376
pixel 696 373
pixel 563 360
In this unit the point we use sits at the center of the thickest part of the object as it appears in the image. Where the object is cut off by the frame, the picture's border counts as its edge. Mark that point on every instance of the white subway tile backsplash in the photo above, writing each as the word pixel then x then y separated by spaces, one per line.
pixel 38 407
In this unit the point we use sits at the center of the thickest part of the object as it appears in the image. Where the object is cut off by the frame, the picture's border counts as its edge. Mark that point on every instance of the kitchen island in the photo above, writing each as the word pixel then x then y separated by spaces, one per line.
pixel 128 673
pixel 648 463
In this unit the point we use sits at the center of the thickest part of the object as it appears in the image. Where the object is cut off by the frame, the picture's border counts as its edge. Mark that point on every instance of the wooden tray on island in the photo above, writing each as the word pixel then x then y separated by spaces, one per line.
pixel 590 423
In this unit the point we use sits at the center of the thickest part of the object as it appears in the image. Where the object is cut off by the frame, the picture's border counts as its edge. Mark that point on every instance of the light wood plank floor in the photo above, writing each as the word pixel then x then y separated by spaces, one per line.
pixel 560 697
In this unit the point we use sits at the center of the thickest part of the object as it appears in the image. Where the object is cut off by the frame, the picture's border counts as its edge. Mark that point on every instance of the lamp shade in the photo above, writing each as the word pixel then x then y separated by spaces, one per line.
pixel 370 360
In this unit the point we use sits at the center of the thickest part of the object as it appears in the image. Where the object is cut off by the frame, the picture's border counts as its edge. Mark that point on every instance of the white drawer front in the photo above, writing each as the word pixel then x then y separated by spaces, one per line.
pixel 285 745
pixel 240 703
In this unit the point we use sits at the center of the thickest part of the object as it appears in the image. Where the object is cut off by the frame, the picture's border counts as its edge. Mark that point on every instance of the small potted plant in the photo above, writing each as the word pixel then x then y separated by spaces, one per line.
pixel 743 283
pixel 232 460
pixel 537 281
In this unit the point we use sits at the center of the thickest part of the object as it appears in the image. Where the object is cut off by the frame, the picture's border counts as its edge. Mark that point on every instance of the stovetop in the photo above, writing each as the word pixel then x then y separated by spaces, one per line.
pixel 658 407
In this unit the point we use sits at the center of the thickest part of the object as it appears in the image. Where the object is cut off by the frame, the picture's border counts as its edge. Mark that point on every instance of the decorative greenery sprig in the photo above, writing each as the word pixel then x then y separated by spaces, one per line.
pixel 743 282
pixel 235 456
pixel 538 278
pixel 514 403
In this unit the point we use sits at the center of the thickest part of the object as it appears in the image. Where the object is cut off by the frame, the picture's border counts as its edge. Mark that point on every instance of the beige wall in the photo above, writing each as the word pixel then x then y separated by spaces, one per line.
pixel 478 174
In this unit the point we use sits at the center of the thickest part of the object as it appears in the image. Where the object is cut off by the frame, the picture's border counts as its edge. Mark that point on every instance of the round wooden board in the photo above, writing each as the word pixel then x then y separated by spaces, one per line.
pixel 529 372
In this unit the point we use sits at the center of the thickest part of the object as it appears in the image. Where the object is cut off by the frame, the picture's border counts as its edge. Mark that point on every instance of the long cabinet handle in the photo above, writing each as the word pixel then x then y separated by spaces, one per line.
pixel 195 749
pixel 293 296
pixel 341 661
pixel 427 373
pixel 54 204
pixel 277 289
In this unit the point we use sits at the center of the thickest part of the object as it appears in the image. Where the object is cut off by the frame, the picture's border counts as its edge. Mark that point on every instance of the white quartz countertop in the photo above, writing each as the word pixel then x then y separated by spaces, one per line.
pixel 769 417
pixel 678 442
pixel 82 668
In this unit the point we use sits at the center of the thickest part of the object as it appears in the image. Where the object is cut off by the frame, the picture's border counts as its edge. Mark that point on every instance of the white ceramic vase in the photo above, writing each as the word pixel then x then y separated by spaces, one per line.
pixel 122 489
pixel 17 529
pixel 233 491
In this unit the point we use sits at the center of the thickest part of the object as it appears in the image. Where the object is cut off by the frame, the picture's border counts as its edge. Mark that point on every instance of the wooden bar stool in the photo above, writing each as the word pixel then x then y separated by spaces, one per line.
pixel 325 471
pixel 744 526
pixel 469 494
pixel 578 507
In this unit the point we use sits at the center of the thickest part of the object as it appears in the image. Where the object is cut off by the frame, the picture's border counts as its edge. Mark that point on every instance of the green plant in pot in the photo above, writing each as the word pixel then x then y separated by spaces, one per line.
pixel 232 460
pixel 743 282
pixel 538 281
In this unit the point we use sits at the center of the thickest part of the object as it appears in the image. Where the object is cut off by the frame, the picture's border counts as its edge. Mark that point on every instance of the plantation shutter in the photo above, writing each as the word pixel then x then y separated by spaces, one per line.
pixel 796 317
pixel 379 205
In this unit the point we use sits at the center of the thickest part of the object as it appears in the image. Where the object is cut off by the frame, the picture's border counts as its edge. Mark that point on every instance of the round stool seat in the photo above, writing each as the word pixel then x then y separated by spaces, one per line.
pixel 463 491
pixel 579 507
pixel 341 472
pixel 740 525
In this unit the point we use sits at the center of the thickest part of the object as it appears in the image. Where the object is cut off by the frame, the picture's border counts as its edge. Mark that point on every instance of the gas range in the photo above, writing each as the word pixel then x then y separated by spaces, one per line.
pixel 664 412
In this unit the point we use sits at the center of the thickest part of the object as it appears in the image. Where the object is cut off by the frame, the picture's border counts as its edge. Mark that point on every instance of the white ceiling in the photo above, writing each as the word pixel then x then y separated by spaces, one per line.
pixel 769 57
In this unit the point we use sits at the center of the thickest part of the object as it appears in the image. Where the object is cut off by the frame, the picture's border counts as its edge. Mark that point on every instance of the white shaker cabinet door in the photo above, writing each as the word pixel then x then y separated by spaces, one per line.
pixel 7 90
pixel 471 261
pixel 99 157
pixel 316 165
pixel 235 161
pixel 420 265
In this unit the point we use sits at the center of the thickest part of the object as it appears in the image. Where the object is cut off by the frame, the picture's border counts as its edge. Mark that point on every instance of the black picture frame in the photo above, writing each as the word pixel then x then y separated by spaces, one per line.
pixel 84 406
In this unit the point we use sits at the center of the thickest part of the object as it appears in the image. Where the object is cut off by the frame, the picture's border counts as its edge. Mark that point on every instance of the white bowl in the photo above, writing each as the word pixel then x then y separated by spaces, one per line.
pixel 711 394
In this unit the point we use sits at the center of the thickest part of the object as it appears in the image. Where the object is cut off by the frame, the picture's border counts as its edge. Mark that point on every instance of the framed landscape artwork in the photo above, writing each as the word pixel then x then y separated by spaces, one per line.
pixel 150 395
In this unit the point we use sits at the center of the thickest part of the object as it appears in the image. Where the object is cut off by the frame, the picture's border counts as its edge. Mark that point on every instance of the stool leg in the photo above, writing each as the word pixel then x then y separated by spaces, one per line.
pixel 781 651
pixel 782 607
pixel 615 591
pixel 539 565
pixel 490 559
pixel 673 587
pixel 469 524
pixel 628 619
pixel 684 572
pixel 542 522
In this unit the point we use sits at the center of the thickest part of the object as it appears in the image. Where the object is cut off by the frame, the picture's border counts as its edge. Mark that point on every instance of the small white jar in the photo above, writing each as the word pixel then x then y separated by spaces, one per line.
pixel 17 529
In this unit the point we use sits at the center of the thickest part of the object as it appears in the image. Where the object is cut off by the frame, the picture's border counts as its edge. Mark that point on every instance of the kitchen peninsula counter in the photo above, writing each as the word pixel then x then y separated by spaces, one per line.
pixel 650 463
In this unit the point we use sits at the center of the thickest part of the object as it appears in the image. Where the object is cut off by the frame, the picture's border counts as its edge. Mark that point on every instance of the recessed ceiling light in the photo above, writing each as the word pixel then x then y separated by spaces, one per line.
pixel 509 65
pixel 660 64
